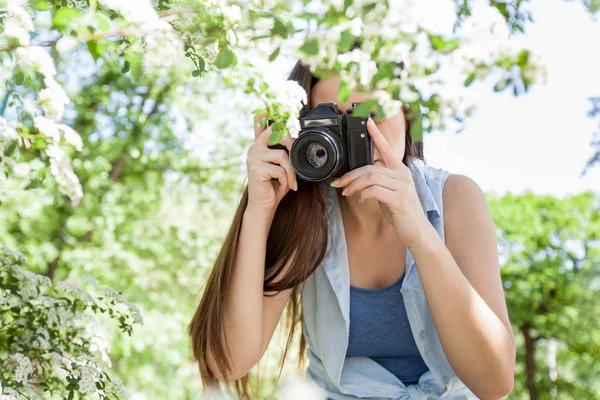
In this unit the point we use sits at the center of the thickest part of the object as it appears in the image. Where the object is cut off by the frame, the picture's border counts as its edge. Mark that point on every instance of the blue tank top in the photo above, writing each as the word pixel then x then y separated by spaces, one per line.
pixel 379 329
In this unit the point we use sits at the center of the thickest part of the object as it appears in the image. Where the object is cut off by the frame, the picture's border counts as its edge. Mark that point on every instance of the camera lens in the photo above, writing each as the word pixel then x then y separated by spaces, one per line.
pixel 316 154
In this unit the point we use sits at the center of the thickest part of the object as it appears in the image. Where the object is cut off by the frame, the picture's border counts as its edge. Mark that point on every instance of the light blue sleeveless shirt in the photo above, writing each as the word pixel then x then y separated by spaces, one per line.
pixel 326 315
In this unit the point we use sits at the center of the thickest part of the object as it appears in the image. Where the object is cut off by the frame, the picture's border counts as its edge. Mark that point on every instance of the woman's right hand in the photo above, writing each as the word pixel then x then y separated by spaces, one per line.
pixel 270 173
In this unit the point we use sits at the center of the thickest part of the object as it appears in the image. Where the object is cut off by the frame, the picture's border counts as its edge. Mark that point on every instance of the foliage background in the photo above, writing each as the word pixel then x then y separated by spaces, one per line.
pixel 159 195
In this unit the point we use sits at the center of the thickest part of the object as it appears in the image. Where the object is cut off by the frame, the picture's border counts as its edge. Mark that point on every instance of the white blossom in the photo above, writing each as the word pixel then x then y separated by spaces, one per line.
pixel 233 13
pixel 37 59
pixel 18 23
pixel 7 135
pixel 90 279
pixel 60 167
pixel 71 136
pixel 163 50
pixel 87 383
pixel 210 52
pixel 291 96
pixel 293 126
pixel 23 369
pixel 117 387
pixel 389 105
pixel 47 127
pixel 53 99
pixel 66 43
pixel 133 11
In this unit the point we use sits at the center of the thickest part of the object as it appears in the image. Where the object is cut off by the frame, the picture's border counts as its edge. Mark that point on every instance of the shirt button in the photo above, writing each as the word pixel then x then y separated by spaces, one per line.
pixel 426 389
pixel 403 290
pixel 422 335
pixel 430 398
pixel 446 379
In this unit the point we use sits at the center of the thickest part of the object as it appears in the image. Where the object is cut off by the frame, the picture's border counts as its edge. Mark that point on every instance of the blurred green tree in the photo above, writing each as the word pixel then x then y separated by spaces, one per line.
pixel 550 259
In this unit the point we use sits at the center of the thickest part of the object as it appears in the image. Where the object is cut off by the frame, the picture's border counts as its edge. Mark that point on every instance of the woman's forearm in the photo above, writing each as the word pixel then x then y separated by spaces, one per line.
pixel 476 342
pixel 244 299
pixel 250 317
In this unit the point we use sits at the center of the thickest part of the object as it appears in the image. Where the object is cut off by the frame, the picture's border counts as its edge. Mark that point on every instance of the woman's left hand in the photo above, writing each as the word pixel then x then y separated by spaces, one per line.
pixel 392 186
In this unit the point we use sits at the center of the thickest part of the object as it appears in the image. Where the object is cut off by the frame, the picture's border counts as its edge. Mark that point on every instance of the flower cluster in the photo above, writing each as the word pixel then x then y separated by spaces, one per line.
pixel 52 335
pixel 8 135
pixel 17 22
pixel 282 100
pixel 51 98
pixel 162 45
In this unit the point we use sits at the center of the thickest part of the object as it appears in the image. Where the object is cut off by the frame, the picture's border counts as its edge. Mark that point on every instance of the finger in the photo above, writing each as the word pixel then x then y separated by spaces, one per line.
pixel 368 180
pixel 287 141
pixel 263 138
pixel 355 173
pixel 258 129
pixel 283 159
pixel 389 158
pixel 381 194
pixel 272 171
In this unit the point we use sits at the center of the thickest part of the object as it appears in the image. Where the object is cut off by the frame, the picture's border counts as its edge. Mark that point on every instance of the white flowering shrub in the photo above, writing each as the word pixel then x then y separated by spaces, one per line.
pixel 362 40
pixel 49 341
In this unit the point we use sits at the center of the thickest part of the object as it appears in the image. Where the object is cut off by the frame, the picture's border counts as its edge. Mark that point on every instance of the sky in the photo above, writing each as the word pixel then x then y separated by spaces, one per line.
pixel 539 141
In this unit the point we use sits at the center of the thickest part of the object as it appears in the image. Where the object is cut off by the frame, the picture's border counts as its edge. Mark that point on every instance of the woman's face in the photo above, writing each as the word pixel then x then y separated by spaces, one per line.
pixel 393 127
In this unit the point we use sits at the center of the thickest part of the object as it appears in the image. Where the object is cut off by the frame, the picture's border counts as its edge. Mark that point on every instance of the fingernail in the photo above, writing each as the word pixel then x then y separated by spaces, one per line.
pixel 296 186
pixel 344 191
pixel 335 182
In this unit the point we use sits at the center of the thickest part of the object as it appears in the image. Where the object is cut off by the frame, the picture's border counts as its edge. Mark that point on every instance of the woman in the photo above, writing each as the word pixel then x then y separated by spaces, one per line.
pixel 392 270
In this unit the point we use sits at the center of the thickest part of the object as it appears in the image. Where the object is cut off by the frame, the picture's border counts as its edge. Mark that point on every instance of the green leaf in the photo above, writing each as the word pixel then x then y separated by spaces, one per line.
pixel 276 133
pixel 311 47
pixel 196 73
pixel 63 17
pixel 225 58
pixel 11 147
pixel 344 91
pixel 103 21
pixel 96 48
pixel 40 5
pixel 134 60
pixel 19 76
pixel 416 122
pixel 201 63
pixel 279 28
pixel 346 41
pixel 364 108
pixel 442 45
pixel 308 15
pixel 71 394
pixel 523 57
pixel 500 86
pixel 259 111
pixel 470 79
pixel 274 54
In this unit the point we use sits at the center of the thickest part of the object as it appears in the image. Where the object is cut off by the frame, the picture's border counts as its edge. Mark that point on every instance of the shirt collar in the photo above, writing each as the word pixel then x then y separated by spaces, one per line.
pixel 418 169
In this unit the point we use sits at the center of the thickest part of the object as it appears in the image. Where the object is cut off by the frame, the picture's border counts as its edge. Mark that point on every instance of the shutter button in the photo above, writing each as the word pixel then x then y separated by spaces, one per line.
pixel 422 334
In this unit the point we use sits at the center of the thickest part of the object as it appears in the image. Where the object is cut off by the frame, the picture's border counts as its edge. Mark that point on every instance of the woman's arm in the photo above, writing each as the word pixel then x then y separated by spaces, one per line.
pixel 250 317
pixel 461 279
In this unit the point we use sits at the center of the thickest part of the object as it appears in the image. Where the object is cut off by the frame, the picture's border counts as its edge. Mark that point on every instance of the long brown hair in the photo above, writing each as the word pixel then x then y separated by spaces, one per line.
pixel 297 214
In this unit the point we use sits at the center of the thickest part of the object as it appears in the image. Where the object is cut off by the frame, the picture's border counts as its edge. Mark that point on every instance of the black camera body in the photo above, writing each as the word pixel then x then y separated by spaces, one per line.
pixel 329 143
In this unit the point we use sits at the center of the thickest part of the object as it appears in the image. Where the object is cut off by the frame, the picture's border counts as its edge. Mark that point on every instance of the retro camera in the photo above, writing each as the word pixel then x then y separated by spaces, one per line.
pixel 330 144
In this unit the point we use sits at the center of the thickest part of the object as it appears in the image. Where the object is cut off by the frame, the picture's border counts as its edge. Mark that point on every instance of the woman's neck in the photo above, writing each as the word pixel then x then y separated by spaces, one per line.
pixel 365 218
